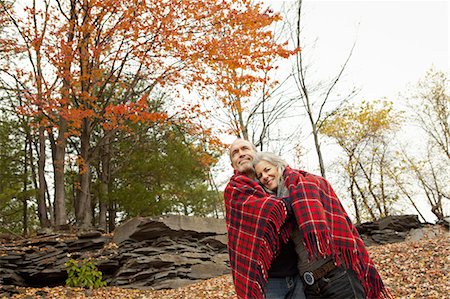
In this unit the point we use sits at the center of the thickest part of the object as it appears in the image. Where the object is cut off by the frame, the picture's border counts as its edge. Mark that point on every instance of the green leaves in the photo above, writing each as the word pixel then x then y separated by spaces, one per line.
pixel 166 170
pixel 84 275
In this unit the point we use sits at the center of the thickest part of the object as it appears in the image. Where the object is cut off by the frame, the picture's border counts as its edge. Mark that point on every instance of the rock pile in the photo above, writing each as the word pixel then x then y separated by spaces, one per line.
pixel 163 252
pixel 390 229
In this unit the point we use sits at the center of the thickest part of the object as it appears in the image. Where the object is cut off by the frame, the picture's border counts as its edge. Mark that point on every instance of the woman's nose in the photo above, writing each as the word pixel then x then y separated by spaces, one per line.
pixel 264 177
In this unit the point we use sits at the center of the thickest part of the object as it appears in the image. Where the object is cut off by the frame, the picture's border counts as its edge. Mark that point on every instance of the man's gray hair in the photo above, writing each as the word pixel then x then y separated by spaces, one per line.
pixel 253 146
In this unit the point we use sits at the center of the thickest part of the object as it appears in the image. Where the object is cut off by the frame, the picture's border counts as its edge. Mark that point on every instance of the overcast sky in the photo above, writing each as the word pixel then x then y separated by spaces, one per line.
pixel 396 41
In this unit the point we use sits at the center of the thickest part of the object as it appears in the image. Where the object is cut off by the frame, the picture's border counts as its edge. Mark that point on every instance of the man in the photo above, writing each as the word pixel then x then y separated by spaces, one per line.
pixel 262 256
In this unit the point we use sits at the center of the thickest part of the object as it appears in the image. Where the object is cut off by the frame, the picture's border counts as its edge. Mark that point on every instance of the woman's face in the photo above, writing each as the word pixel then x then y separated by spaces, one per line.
pixel 267 173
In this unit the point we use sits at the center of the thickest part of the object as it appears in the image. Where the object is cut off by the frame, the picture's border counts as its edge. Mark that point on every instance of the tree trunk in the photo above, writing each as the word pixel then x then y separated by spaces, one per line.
pixel 354 200
pixel 34 177
pixel 376 200
pixel 42 209
pixel 365 201
pixel 352 174
pixel 84 206
pixel 305 93
pixel 243 128
pixel 58 168
pixel 105 158
pixel 383 191
pixel 25 189
pixel 111 215
pixel 318 150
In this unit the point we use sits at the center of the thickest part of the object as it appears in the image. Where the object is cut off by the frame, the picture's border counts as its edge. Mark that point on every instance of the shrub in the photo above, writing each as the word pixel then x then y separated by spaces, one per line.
pixel 84 274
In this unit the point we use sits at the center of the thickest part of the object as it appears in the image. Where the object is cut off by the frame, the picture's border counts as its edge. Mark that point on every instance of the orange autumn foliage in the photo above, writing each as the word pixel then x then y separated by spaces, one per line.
pixel 104 50
pixel 105 62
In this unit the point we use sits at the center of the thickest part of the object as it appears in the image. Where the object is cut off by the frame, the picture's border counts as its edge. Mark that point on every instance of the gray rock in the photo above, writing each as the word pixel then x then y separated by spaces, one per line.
pixel 387 236
pixel 208 270
pixel 426 232
pixel 401 223
pixel 149 228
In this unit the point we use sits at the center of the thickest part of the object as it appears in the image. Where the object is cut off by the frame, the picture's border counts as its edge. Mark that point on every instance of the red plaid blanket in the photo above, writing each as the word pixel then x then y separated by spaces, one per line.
pixel 255 223
pixel 327 229
pixel 256 227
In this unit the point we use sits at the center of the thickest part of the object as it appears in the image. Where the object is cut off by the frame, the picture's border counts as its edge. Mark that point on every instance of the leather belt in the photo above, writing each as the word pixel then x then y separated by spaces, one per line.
pixel 310 277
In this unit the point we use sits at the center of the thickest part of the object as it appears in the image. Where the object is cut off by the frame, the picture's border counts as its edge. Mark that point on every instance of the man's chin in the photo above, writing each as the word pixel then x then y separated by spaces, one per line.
pixel 246 168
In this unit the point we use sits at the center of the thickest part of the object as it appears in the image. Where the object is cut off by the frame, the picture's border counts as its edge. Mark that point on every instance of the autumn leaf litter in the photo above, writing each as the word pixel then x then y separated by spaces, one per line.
pixel 410 269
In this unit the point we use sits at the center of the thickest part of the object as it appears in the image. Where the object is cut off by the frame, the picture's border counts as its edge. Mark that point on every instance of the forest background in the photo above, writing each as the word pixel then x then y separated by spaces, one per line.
pixel 116 109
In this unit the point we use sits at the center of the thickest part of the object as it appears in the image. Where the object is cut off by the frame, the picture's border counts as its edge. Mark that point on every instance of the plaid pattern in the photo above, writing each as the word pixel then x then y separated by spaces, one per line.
pixel 256 228
pixel 328 231
pixel 254 222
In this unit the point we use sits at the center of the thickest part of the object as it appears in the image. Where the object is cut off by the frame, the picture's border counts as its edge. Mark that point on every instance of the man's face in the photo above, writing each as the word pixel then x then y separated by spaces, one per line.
pixel 242 155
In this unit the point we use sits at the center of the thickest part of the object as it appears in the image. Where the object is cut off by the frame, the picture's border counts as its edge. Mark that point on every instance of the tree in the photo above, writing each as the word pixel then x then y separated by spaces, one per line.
pixel 17 213
pixel 106 59
pixel 363 132
pixel 315 97
pixel 430 107
pixel 431 175
pixel 31 34
pixel 165 170
pixel 247 100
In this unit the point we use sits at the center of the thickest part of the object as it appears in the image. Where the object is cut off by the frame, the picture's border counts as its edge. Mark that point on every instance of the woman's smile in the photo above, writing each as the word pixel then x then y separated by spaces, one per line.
pixel 267 173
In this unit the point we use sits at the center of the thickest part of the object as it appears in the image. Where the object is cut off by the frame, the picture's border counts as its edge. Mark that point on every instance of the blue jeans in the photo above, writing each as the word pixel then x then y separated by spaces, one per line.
pixel 289 287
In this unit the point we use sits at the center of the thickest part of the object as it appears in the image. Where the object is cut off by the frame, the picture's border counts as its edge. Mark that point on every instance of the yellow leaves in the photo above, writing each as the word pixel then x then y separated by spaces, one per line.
pixel 353 124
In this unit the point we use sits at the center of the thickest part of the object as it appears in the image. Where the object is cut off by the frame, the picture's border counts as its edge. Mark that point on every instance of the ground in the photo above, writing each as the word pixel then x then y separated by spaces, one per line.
pixel 410 269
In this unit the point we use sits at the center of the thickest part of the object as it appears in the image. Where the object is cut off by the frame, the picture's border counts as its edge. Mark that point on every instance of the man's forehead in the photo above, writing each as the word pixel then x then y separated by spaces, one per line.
pixel 239 143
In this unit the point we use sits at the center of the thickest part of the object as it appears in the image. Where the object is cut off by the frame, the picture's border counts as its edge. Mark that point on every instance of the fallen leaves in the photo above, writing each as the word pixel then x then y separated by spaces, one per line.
pixel 415 269
pixel 410 270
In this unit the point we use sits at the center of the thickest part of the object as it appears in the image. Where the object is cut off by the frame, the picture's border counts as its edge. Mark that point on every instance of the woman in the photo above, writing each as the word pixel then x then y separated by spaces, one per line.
pixel 333 260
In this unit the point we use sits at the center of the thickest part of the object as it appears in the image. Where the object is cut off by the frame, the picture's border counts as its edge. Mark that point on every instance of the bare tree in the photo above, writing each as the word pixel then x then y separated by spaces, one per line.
pixel 430 107
pixel 315 96
pixel 432 178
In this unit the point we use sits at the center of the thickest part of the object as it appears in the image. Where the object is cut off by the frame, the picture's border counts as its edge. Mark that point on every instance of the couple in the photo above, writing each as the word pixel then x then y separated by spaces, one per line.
pixel 289 236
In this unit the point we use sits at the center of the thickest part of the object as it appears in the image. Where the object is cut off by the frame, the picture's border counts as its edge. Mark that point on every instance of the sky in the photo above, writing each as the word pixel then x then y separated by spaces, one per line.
pixel 396 43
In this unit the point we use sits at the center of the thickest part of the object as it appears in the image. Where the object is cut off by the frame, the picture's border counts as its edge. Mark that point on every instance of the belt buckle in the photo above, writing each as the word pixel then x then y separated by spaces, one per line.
pixel 308 277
